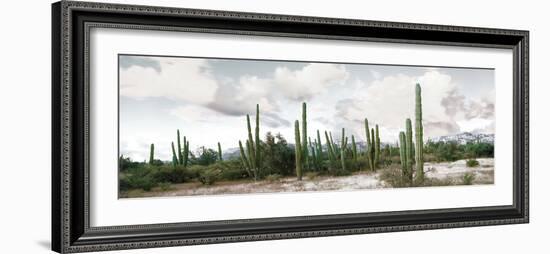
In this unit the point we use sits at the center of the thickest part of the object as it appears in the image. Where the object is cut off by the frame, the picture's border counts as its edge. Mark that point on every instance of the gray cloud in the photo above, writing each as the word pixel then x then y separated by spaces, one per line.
pixel 453 103
pixel 126 62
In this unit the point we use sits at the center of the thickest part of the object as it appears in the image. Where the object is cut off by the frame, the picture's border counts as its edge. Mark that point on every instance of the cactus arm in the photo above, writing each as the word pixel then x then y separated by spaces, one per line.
pixel 402 153
pixel 244 159
pixel 409 149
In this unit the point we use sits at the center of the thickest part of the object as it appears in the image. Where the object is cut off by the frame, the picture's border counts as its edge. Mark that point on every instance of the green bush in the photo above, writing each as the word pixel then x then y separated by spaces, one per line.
pixel 472 163
pixel 209 176
pixel 171 174
pixel 273 178
pixel 468 178
pixel 145 183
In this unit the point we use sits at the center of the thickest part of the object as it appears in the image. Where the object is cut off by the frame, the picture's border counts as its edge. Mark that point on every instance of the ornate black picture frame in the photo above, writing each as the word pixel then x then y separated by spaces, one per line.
pixel 71 231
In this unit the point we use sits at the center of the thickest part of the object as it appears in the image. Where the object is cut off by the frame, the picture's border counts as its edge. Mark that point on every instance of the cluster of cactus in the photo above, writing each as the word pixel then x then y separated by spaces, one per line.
pixel 408 148
pixel 316 152
pixel 180 156
pixel 251 157
pixel 343 146
pixel 406 151
pixel 152 154
pixel 373 145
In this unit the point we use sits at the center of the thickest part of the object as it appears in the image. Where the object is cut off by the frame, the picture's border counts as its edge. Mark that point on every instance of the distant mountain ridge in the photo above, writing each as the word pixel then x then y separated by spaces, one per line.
pixel 465 137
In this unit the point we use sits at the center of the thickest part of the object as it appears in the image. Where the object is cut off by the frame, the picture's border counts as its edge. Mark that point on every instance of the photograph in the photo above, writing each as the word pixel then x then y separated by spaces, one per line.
pixel 214 126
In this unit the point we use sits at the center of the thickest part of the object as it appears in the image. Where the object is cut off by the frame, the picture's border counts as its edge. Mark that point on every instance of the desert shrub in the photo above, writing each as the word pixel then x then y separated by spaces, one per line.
pixel 165 186
pixel 231 170
pixel 273 178
pixel 468 178
pixel 171 174
pixel 311 175
pixel 193 171
pixel 393 176
pixel 145 182
pixel 209 176
pixel 472 163
pixel 205 156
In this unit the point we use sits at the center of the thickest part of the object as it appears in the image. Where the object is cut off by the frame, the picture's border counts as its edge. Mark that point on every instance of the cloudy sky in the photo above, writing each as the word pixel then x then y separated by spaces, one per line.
pixel 208 99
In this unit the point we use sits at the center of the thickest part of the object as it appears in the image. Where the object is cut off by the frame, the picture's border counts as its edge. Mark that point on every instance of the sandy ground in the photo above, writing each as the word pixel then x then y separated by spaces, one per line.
pixel 484 173
pixel 361 180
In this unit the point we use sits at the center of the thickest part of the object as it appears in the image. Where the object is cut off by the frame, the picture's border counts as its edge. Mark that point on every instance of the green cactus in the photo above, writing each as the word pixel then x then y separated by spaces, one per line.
pixel 298 150
pixel 257 148
pixel 369 150
pixel 376 148
pixel 244 159
pixel 354 150
pixel 252 155
pixel 180 159
pixel 152 154
pixel 419 133
pixel 319 146
pixel 330 150
pixel 185 152
pixel 305 152
pixel 409 151
pixel 220 158
pixel 343 149
pixel 174 156
pixel 402 153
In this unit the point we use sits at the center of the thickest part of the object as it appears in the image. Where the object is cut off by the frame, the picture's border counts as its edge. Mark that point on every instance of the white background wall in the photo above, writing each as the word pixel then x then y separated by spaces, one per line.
pixel 25 125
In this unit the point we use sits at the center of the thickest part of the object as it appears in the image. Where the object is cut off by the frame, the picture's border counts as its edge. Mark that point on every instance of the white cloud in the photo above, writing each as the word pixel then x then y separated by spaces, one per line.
pixel 311 80
pixel 188 80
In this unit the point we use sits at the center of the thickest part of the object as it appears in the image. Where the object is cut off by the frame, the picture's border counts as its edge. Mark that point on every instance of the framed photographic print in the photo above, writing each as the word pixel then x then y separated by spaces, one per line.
pixel 182 126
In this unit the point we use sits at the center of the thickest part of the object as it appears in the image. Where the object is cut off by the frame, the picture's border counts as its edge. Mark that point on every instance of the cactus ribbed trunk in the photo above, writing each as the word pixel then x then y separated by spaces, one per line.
pixel 330 150
pixel 343 142
pixel 298 150
pixel 372 149
pixel 152 154
pixel 354 150
pixel 403 153
pixel 257 151
pixel 305 152
pixel 250 144
pixel 174 156
pixel 185 152
pixel 368 151
pixel 409 151
pixel 220 158
pixel 244 159
pixel 180 159
pixel 419 156
pixel 376 148
pixel 319 146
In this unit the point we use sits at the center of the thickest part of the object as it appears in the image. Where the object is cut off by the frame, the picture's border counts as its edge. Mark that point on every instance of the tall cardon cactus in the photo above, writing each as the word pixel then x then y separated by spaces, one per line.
pixel 220 158
pixel 409 151
pixel 152 154
pixel 305 150
pixel 419 134
pixel 298 150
